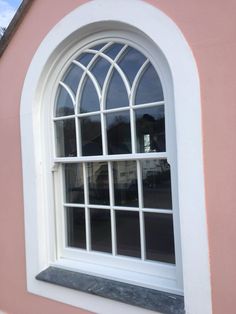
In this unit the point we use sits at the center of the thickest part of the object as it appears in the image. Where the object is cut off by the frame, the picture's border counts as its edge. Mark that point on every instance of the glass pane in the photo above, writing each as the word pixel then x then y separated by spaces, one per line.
pixel 150 130
pixel 98 47
pixel 76 235
pixel 89 98
pixel 98 183
pixel 116 94
pixel 100 70
pixel 100 230
pixel 131 62
pixel 64 103
pixel 74 185
pixel 73 77
pixel 128 233
pixel 149 88
pixel 113 50
pixel 85 58
pixel 156 184
pixel 66 138
pixel 159 236
pixel 125 183
pixel 118 133
pixel 91 136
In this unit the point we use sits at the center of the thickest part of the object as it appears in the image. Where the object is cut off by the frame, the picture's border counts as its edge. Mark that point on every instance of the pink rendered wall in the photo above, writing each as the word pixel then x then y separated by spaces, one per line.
pixel 210 28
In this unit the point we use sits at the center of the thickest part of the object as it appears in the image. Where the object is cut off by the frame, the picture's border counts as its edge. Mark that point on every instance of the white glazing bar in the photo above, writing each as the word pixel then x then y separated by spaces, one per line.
pixel 157 210
pixel 148 105
pixel 141 215
pixel 136 81
pixel 133 130
pixel 63 118
pixel 74 205
pixel 112 202
pixel 78 137
pixel 138 156
pixel 69 91
pixel 87 214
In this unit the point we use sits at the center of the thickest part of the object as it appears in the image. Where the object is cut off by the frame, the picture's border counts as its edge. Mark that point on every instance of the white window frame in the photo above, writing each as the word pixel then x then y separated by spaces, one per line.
pixel 179 63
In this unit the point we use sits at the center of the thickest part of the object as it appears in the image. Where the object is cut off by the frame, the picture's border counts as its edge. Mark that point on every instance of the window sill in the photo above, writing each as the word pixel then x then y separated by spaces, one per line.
pixel 130 294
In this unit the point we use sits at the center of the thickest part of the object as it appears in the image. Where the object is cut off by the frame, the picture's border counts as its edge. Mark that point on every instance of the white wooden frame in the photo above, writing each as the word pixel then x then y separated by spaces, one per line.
pixel 178 61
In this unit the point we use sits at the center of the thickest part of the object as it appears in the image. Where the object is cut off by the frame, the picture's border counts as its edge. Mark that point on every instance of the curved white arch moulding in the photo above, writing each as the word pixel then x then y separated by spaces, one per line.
pixel 193 228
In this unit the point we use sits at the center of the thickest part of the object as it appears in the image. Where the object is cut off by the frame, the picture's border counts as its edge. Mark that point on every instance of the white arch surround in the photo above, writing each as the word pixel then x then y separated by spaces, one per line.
pixel 167 36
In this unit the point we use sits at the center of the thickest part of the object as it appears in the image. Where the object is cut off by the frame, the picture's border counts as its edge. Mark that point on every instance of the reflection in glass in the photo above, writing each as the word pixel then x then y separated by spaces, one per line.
pixel 74 185
pixel 89 98
pixel 131 62
pixel 128 233
pixel 76 236
pixel 98 47
pixel 149 87
pixel 116 94
pixel 118 133
pixel 98 183
pixel 85 58
pixel 159 237
pixel 64 103
pixel 150 129
pixel 113 50
pixel 73 77
pixel 65 138
pixel 91 135
pixel 125 183
pixel 100 230
pixel 100 70
pixel 156 184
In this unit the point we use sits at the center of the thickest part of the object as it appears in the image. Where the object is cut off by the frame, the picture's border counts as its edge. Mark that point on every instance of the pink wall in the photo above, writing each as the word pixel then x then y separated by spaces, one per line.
pixel 210 28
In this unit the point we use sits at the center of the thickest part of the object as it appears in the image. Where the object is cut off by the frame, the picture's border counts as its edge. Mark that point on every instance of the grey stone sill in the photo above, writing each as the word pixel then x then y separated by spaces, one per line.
pixel 163 302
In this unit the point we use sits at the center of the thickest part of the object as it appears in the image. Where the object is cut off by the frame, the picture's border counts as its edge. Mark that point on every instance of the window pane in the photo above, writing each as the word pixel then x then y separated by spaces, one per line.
pixel 76 236
pixel 100 230
pixel 85 58
pixel 118 133
pixel 159 237
pixel 125 183
pixel 73 77
pixel 156 184
pixel 116 94
pixel 64 103
pixel 89 98
pixel 128 233
pixel 100 70
pixel 74 185
pixel 66 138
pixel 150 130
pixel 131 62
pixel 113 50
pixel 149 88
pixel 91 135
pixel 98 183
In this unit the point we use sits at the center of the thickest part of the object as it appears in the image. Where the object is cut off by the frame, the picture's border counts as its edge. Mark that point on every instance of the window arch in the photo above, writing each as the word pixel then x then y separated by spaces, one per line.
pixel 56 48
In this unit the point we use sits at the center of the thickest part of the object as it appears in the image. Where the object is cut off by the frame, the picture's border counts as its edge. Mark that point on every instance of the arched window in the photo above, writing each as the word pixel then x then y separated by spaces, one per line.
pixel 112 165
pixel 110 146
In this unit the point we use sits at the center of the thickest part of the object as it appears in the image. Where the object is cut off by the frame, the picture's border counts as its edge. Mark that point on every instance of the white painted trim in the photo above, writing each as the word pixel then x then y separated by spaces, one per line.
pixel 167 36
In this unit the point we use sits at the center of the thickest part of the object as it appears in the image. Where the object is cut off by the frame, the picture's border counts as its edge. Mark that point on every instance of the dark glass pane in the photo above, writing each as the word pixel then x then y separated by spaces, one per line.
pixel 98 47
pixel 100 230
pixel 74 185
pixel 116 95
pixel 128 233
pixel 113 50
pixel 98 183
pixel 118 133
pixel 100 70
pixel 149 87
pixel 156 184
pixel 91 136
pixel 76 236
pixel 131 62
pixel 159 236
pixel 89 98
pixel 64 103
pixel 85 58
pixel 125 183
pixel 150 130
pixel 73 77
pixel 66 138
